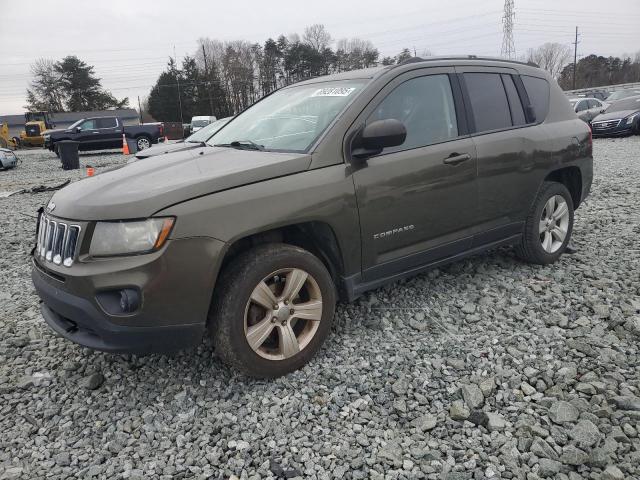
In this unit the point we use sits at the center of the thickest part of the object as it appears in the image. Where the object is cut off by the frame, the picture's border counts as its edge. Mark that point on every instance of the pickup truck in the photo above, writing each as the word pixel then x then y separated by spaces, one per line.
pixel 103 133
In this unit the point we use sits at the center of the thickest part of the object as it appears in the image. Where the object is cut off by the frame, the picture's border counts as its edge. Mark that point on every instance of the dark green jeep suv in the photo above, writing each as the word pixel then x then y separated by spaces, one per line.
pixel 321 191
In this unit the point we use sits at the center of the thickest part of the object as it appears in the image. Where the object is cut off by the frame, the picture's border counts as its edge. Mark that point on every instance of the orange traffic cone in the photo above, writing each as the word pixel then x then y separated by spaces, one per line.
pixel 125 147
pixel 90 171
pixel 166 140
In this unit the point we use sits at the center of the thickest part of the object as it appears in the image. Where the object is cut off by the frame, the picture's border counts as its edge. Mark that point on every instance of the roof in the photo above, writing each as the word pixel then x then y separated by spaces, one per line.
pixel 70 117
pixel 369 73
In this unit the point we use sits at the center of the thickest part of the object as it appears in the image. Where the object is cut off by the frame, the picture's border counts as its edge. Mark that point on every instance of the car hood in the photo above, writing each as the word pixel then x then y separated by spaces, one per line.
pixel 166 148
pixel 613 115
pixel 53 130
pixel 140 189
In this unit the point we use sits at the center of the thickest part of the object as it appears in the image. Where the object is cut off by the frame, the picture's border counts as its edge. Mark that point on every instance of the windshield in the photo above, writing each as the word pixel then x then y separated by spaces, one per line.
pixel 200 123
pixel 627 104
pixel 620 94
pixel 74 125
pixel 290 119
pixel 205 133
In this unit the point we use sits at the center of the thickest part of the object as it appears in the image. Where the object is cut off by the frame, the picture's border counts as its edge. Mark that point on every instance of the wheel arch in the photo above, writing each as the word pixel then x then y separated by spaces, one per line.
pixel 317 237
pixel 570 177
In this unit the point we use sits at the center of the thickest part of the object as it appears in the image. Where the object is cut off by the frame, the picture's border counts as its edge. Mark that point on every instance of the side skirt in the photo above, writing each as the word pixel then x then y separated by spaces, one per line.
pixel 354 286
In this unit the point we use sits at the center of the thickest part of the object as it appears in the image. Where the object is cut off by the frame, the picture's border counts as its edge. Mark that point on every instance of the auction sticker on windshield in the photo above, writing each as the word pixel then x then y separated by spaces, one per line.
pixel 333 92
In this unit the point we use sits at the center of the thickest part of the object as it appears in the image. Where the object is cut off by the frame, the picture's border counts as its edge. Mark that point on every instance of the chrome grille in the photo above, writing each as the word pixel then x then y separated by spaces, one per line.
pixel 56 241
pixel 605 124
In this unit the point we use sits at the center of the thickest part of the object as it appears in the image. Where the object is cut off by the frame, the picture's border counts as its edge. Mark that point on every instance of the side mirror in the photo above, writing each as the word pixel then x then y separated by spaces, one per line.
pixel 78 129
pixel 602 110
pixel 378 135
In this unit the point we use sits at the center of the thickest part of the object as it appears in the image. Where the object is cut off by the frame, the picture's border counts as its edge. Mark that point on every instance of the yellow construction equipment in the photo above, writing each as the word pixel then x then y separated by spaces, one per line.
pixel 35 123
pixel 5 140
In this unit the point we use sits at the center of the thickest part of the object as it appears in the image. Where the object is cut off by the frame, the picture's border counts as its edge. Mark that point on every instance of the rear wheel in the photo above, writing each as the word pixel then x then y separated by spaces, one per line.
pixel 272 310
pixel 143 142
pixel 549 225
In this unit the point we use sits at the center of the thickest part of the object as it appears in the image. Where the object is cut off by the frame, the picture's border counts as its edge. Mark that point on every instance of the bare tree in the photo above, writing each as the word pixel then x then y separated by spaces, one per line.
pixel 552 57
pixel 317 37
pixel 45 90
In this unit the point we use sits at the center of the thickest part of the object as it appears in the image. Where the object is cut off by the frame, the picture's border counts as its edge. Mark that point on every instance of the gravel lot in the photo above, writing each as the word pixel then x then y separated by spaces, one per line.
pixel 488 368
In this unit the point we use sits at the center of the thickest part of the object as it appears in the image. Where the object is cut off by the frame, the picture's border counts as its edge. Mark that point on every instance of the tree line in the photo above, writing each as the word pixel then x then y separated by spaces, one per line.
pixel 68 85
pixel 224 78
pixel 591 70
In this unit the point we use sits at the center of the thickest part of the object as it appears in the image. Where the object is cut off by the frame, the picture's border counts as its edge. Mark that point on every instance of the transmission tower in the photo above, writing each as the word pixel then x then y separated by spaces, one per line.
pixel 508 47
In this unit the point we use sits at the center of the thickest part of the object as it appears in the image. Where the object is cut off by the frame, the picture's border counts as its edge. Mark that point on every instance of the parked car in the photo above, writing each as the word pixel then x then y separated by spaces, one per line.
pixel 621 94
pixel 620 119
pixel 320 191
pixel 194 141
pixel 587 108
pixel 596 93
pixel 199 122
pixel 8 159
pixel 102 133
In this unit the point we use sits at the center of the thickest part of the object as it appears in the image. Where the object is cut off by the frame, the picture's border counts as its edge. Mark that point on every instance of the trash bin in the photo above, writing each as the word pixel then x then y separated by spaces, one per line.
pixel 68 150
pixel 132 143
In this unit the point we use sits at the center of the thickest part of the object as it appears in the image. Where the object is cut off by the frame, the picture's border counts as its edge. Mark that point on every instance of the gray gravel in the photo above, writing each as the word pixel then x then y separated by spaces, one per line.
pixel 488 368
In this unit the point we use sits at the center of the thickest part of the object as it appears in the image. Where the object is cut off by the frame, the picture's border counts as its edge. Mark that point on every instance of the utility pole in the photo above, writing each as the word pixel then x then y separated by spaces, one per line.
pixel 140 111
pixel 508 46
pixel 575 58
pixel 208 82
pixel 178 84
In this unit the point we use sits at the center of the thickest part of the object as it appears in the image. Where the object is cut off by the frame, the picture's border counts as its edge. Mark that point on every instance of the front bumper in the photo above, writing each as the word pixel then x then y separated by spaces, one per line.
pixel 619 131
pixel 175 285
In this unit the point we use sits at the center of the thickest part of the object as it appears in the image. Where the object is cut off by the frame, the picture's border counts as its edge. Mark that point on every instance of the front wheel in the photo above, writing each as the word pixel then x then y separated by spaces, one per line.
pixel 548 226
pixel 143 142
pixel 272 310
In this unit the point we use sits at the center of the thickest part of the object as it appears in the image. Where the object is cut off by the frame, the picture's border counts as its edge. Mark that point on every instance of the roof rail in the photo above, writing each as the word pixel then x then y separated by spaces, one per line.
pixel 464 57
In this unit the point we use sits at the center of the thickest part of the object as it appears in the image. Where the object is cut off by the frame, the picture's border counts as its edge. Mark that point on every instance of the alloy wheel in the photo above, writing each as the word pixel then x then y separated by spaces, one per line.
pixel 143 143
pixel 554 224
pixel 283 314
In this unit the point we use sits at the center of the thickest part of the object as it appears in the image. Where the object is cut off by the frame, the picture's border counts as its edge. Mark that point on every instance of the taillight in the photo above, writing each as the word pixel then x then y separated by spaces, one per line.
pixel 162 129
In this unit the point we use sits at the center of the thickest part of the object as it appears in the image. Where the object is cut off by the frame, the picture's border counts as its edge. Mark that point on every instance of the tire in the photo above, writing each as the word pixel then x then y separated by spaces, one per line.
pixel 542 240
pixel 143 142
pixel 234 311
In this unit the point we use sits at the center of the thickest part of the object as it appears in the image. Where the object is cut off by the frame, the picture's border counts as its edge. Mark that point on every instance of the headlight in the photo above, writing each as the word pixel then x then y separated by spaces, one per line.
pixel 129 237
pixel 632 118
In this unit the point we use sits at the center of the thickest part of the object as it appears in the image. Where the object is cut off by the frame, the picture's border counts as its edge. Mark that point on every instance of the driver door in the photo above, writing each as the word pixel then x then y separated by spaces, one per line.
pixel 88 135
pixel 417 201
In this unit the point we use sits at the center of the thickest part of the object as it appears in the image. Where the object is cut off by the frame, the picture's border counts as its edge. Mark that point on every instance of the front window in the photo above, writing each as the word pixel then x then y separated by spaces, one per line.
pixel 620 94
pixel 290 119
pixel 622 105
pixel 76 124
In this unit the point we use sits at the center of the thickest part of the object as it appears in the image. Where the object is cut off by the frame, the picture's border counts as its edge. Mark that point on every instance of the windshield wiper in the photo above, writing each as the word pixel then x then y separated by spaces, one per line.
pixel 202 144
pixel 241 145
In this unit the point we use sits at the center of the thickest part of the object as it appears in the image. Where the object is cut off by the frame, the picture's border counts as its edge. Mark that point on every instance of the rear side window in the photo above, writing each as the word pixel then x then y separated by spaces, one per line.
pixel 425 106
pixel 107 123
pixel 488 101
pixel 593 103
pixel 538 92
pixel 517 112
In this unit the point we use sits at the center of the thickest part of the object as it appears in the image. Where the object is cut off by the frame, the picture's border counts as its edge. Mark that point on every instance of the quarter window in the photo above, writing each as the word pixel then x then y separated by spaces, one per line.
pixel 538 92
pixel 488 101
pixel 517 112
pixel 425 106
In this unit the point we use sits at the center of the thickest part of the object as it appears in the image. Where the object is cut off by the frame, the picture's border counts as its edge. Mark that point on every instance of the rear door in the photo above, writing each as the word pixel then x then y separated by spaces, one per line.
pixel 110 132
pixel 417 201
pixel 510 148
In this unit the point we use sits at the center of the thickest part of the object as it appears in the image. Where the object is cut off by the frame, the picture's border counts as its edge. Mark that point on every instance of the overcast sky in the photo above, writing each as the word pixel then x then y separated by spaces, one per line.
pixel 129 42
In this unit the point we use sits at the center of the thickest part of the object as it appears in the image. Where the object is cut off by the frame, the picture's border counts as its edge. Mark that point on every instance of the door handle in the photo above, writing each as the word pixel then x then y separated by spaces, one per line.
pixel 456 158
